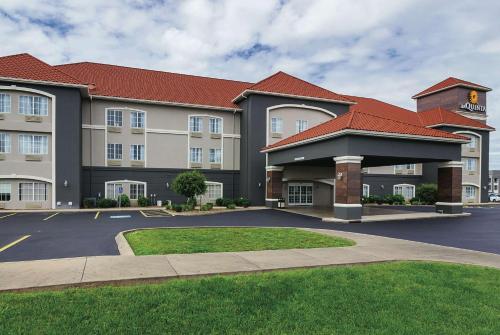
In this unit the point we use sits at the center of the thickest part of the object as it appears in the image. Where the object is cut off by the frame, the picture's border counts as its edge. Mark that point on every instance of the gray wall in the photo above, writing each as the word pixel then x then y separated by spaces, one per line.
pixel 68 140
pixel 253 139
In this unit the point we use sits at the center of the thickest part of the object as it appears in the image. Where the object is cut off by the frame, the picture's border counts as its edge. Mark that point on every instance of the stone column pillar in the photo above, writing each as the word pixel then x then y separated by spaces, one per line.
pixel 348 188
pixel 274 185
pixel 450 188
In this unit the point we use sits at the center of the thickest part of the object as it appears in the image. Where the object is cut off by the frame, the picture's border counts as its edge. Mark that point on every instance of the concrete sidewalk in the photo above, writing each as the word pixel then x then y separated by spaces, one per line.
pixel 86 270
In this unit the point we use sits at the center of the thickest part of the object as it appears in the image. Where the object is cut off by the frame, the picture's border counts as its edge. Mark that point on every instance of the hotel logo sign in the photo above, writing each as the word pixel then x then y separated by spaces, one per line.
pixel 472 105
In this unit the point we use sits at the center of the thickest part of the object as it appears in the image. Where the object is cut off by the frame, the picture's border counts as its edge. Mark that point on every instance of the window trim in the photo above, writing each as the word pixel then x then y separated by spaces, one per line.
pixel 213 183
pixel 300 203
pixel 33 191
pixel 114 151
pixel 8 141
pixel 363 190
pixel 274 130
pixel 191 155
pixel 114 110
pixel 32 105
pixel 142 151
pixel 298 123
pixel 191 123
pixel 124 181
pixel 130 190
pixel 32 136
pixel 214 150
pixel 402 185
pixel 219 122
pixel 10 191
pixel 137 112
pixel 9 104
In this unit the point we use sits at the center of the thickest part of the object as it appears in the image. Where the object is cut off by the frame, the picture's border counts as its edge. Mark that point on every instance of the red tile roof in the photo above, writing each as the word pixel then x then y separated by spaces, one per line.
pixel 448 83
pixel 359 121
pixel 141 84
pixel 439 116
pixel 27 67
pixel 285 84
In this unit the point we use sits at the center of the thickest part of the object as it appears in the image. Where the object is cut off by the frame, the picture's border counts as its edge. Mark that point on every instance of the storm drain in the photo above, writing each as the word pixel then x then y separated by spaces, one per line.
pixel 155 213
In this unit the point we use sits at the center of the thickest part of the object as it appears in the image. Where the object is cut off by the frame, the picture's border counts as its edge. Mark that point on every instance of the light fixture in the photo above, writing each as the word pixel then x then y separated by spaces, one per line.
pixel 167 184
pixel 66 183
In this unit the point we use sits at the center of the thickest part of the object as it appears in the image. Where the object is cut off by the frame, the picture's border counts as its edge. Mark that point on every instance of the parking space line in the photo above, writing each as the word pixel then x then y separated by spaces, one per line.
pixel 51 216
pixel 143 214
pixel 6 216
pixel 97 215
pixel 14 243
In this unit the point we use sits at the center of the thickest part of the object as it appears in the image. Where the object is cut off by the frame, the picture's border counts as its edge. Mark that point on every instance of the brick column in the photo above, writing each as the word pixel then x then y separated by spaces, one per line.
pixel 348 188
pixel 450 188
pixel 274 185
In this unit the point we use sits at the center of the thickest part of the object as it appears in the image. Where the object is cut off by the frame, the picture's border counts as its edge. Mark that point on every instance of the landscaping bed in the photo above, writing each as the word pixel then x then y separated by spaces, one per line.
pixel 389 298
pixel 195 240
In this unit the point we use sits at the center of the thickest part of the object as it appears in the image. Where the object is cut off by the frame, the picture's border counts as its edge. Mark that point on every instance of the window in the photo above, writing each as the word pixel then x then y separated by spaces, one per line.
pixel 215 156
pixel 473 144
pixel 113 190
pixel 470 164
pixel 405 167
pixel 32 105
pixel 407 191
pixel 137 152
pixel 33 144
pixel 114 151
pixel 5 190
pixel 470 192
pixel 4 143
pixel 195 124
pixel 4 103
pixel 137 119
pixel 136 191
pixel 32 191
pixel 276 125
pixel 366 190
pixel 195 156
pixel 214 191
pixel 300 194
pixel 300 126
pixel 114 118
pixel 215 124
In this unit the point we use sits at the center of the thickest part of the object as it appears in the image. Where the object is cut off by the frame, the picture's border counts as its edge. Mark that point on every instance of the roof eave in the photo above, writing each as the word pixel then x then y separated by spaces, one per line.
pixel 459 126
pixel 43 82
pixel 481 88
pixel 365 133
pixel 245 93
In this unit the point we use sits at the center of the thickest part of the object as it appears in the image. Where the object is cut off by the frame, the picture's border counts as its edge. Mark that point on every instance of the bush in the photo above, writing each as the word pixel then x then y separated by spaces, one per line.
pixel 209 205
pixel 398 199
pixel 426 194
pixel 187 207
pixel 124 200
pixel 142 201
pixel 372 199
pixel 231 206
pixel 176 207
pixel 190 184
pixel 242 202
pixel 106 203
pixel 89 203
pixel 205 207
pixel 224 202
pixel 191 202
pixel 415 201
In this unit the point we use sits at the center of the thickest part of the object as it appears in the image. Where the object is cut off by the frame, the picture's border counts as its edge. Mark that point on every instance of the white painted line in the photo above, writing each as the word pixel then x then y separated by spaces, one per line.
pixel 120 216
pixel 51 216
pixel 6 216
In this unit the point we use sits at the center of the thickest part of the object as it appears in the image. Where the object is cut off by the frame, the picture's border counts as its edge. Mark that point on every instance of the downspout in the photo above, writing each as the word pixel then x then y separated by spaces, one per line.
pixel 234 147
pixel 91 146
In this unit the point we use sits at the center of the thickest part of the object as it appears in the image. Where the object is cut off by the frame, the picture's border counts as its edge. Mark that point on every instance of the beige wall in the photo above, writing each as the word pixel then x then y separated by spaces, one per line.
pixel 16 121
pixel 166 137
pixel 390 169
pixel 15 203
pixel 290 115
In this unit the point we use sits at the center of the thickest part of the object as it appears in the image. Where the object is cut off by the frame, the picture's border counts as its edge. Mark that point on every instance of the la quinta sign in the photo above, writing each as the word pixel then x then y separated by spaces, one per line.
pixel 472 105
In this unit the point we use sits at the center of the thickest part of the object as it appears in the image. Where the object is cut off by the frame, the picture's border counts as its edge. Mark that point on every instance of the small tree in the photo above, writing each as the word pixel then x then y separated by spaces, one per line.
pixel 426 193
pixel 190 184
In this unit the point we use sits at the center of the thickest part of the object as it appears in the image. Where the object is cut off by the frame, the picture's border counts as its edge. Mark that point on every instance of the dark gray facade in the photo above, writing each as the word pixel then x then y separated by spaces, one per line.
pixel 253 139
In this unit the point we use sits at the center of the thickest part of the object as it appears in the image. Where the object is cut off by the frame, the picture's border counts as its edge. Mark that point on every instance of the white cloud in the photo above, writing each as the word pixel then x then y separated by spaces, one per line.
pixel 388 50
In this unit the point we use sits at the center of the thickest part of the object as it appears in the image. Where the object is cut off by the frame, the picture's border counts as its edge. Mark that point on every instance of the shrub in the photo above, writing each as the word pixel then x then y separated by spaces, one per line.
pixel 388 199
pixel 142 201
pixel 426 194
pixel 224 202
pixel 190 184
pixel 191 202
pixel 89 203
pixel 415 201
pixel 205 207
pixel 209 205
pixel 187 207
pixel 231 206
pixel 373 199
pixel 176 207
pixel 106 203
pixel 242 202
pixel 398 199
pixel 124 200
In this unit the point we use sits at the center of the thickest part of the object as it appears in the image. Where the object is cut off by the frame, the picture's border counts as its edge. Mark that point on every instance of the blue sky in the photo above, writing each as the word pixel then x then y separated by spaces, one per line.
pixel 388 50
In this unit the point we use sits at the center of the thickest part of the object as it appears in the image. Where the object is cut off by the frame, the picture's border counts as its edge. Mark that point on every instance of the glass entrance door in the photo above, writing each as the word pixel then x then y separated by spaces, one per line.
pixel 300 194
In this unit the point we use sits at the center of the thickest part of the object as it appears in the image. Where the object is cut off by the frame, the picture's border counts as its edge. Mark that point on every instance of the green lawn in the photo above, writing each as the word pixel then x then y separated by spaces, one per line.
pixel 388 298
pixel 191 240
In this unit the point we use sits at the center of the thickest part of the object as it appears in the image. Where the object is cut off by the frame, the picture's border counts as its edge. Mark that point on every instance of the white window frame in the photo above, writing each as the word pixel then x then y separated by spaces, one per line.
pixel 470 167
pixel 35 193
pixel 114 118
pixel 215 156
pixel 301 203
pixel 276 125
pixel 215 125
pixel 474 141
pixel 5 103
pixel 5 188
pixel 33 105
pixel 5 143
pixel 196 153
pixel 29 143
pixel 137 152
pixel 402 186
pixel 196 124
pixel 301 125
pixel 471 187
pixel 136 196
pixel 116 186
pixel 367 188
pixel 137 119
pixel 114 150
pixel 212 197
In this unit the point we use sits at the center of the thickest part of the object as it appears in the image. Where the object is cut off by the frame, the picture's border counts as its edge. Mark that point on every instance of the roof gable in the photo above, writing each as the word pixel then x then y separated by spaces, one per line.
pixel 449 83
pixel 28 68
pixel 282 83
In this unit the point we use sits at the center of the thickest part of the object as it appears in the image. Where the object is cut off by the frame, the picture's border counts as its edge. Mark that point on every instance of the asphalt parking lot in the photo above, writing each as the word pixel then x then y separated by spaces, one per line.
pixel 29 236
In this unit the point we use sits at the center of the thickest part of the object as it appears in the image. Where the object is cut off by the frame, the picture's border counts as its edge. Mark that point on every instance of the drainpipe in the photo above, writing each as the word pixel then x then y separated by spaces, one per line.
pixel 234 147
pixel 91 135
